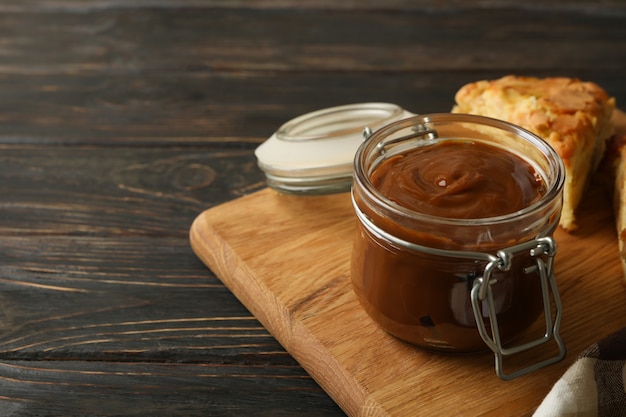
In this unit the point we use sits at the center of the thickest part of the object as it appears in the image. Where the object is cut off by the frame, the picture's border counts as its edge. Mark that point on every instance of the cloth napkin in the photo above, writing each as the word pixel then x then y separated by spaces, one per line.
pixel 594 385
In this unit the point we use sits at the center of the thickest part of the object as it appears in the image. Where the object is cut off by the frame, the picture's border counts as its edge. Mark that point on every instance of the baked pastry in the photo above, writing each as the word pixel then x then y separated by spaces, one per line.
pixel 573 116
pixel 614 166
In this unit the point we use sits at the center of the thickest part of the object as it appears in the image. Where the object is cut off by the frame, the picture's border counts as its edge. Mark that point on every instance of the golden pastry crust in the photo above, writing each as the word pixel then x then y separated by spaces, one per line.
pixel 614 168
pixel 573 116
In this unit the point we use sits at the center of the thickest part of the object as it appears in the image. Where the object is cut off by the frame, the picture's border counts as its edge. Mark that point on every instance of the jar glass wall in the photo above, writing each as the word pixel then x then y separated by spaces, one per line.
pixel 413 272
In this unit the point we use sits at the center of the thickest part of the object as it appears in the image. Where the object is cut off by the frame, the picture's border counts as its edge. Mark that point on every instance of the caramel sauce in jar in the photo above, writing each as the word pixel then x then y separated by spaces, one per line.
pixel 438 197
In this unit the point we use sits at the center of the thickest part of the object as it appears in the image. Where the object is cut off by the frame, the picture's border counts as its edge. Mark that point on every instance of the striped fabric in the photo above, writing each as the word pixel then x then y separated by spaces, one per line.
pixel 594 384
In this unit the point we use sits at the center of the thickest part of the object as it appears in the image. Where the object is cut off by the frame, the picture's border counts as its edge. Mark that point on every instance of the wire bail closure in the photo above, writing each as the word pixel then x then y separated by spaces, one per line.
pixel 420 131
pixel 543 247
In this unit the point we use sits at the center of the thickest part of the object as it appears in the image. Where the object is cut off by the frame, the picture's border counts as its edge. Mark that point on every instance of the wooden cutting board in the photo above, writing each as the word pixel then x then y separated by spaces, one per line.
pixel 287 259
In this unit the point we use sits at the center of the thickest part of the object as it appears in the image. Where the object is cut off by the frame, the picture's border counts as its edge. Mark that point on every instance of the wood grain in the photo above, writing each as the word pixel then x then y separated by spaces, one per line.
pixel 82 5
pixel 298 287
pixel 223 111
pixel 99 321
pixel 117 41
pixel 117 191
pixel 43 388
pixel 114 75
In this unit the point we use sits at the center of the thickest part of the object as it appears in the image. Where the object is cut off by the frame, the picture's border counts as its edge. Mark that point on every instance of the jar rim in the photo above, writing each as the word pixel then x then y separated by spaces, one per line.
pixel 554 182
pixel 338 121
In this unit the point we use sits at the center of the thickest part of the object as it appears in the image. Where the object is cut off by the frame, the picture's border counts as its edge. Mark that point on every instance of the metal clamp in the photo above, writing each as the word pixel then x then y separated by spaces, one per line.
pixel 420 131
pixel 481 291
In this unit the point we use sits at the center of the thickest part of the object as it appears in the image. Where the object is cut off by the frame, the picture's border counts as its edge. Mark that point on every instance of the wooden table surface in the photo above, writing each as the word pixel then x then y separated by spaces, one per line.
pixel 121 121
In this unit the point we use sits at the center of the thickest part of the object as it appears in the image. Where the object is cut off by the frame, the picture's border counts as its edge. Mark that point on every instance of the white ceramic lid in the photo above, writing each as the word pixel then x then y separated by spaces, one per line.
pixel 314 153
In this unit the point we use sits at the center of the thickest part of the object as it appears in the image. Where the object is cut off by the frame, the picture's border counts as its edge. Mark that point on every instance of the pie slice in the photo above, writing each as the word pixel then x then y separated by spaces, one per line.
pixel 615 166
pixel 573 116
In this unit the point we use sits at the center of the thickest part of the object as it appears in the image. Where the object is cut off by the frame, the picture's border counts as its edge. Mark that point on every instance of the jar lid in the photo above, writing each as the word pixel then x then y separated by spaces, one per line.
pixel 314 153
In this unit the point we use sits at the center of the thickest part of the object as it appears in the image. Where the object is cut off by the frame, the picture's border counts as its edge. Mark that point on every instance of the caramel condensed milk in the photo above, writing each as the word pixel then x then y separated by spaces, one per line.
pixel 453 250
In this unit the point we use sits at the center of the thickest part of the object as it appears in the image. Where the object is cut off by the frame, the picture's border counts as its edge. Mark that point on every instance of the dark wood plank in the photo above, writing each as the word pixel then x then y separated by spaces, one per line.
pixel 229 111
pixel 91 5
pixel 57 293
pixel 190 75
pixel 113 41
pixel 139 389
pixel 117 191
pixel 125 325
pixel 117 299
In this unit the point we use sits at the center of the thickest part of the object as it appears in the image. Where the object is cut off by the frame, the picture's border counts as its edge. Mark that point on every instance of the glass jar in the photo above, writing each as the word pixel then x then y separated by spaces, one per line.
pixel 457 284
